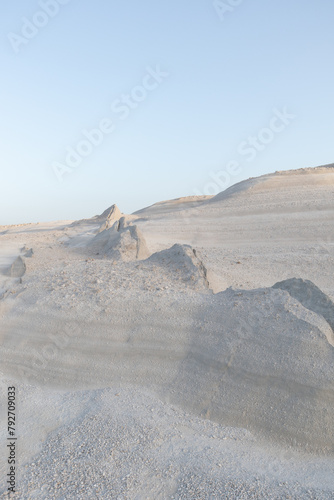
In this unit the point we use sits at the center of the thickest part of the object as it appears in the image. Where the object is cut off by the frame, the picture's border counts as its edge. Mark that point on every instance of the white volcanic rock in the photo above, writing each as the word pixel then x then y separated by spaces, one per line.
pixel 120 242
pixel 176 391
pixel 308 294
pixel 111 215
pixel 182 259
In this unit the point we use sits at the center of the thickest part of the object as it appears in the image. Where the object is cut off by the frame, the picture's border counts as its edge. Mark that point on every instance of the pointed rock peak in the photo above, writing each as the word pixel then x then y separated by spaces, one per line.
pixel 109 217
pixel 112 212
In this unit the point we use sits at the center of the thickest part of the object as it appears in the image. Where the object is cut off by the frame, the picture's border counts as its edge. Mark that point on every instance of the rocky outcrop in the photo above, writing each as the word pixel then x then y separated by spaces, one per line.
pixel 310 296
pixel 122 241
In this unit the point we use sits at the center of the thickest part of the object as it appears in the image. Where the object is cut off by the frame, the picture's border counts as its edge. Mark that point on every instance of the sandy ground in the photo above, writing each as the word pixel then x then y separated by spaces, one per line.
pixel 146 370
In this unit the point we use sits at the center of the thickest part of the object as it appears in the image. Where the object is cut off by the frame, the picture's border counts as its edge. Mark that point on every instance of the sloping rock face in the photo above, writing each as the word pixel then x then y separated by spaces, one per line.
pixel 182 260
pixel 17 269
pixel 121 242
pixel 112 214
pixel 307 186
pixel 254 359
pixel 308 294
pixel 264 363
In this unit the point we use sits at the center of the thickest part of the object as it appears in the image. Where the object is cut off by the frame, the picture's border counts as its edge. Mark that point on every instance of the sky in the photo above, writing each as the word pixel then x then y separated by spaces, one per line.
pixel 137 102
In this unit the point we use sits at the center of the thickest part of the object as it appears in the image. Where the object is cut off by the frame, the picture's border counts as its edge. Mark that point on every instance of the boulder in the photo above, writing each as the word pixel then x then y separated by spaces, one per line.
pixel 17 269
pixel 183 260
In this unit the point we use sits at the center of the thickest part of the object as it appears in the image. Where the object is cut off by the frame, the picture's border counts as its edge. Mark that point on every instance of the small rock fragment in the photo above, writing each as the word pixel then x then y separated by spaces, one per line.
pixel 29 253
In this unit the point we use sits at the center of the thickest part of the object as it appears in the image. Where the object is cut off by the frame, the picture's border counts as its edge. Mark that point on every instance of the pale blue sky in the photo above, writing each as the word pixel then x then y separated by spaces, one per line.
pixel 227 74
